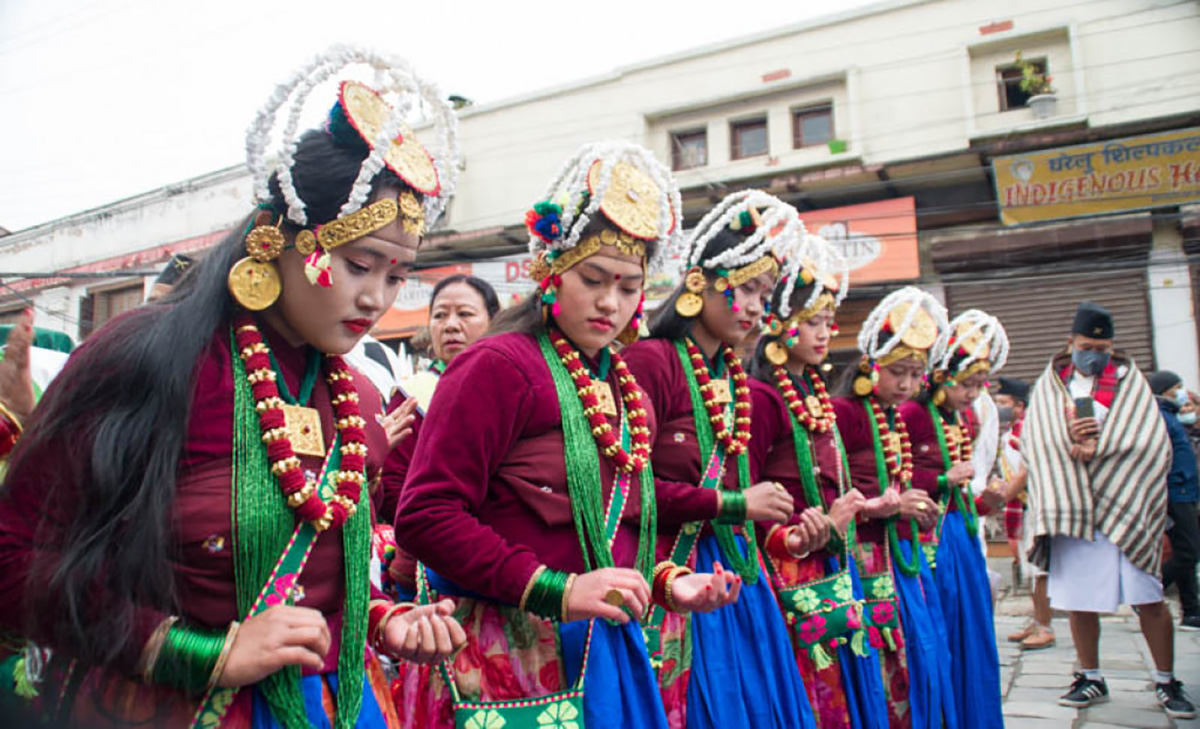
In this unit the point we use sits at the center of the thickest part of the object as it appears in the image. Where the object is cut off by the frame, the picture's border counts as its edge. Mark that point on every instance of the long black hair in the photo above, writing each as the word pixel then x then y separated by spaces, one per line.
pixel 666 323
pixel 491 302
pixel 104 444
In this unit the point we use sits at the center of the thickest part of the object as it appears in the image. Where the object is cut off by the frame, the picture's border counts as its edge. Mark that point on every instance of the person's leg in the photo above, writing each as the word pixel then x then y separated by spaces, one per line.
pixel 1185 549
pixel 1085 630
pixel 1042 635
pixel 1155 619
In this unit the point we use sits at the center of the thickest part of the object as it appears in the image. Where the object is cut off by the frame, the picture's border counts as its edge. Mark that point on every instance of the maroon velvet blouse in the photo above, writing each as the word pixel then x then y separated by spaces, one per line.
pixel 202 548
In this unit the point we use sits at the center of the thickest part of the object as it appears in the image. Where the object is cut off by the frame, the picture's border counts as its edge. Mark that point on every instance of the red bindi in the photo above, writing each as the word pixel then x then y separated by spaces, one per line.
pixel 393 261
pixel 617 276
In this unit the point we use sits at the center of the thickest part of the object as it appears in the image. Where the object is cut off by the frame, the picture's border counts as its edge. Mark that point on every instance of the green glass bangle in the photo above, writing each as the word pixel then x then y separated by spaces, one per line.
pixel 733 508
pixel 943 484
pixel 188 657
pixel 546 596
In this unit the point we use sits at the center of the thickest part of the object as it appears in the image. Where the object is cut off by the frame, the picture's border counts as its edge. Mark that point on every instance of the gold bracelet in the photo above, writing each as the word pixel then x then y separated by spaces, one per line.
pixel 669 587
pixel 567 594
pixel 222 659
pixel 529 586
pixel 149 657
pixel 383 621
pixel 11 417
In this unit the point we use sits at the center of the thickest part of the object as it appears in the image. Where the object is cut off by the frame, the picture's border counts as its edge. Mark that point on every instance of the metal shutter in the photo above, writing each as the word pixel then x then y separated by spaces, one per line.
pixel 1037 313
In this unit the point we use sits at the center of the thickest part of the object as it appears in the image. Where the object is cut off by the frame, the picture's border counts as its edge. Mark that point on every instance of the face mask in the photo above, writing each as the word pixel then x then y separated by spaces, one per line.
pixel 1005 413
pixel 1089 363
pixel 1188 418
pixel 1181 397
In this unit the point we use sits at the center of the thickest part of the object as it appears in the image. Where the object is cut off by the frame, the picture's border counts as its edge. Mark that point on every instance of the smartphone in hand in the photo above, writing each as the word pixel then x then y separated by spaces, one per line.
pixel 1085 407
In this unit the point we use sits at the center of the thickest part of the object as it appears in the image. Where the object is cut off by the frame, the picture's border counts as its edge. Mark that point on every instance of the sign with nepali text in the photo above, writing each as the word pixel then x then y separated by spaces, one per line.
pixel 1133 173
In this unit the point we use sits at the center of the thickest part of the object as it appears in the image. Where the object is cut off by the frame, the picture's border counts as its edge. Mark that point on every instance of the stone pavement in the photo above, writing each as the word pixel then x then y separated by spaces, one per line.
pixel 1031 682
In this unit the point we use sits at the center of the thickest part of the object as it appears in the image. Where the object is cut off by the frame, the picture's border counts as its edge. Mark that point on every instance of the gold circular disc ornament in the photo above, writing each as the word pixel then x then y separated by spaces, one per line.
pixel 368 112
pixel 695 281
pixel 775 328
pixel 688 305
pixel 264 243
pixel 615 598
pixel 721 285
pixel 255 285
pixel 921 334
pixel 631 201
pixel 974 345
pixel 863 386
pixel 306 242
pixel 775 352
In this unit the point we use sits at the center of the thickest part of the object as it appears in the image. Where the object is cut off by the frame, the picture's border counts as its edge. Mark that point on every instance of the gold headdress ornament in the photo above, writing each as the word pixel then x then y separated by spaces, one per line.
pixel 977 343
pixel 766 222
pixel 907 323
pixel 633 193
pixel 254 281
pixel 808 261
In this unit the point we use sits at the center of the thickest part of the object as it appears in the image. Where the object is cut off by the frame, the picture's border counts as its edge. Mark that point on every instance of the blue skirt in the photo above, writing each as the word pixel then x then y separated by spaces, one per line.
pixel 369 717
pixel 620 688
pixel 966 597
pixel 931 701
pixel 862 676
pixel 743 671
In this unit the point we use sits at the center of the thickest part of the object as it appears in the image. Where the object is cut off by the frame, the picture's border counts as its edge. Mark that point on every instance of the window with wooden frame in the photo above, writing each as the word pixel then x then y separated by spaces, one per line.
pixel 812 126
pixel 99 306
pixel 748 138
pixel 689 149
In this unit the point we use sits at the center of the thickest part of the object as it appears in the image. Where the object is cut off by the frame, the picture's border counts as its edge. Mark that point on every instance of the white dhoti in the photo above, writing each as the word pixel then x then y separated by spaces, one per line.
pixel 1096 577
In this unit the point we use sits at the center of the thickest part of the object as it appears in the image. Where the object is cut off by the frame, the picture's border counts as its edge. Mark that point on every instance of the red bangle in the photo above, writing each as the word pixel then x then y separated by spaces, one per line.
pixel 658 585
pixel 776 543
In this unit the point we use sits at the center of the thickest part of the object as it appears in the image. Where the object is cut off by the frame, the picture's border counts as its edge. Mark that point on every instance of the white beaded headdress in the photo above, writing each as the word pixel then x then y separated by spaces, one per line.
pixel 980 337
pixel 812 259
pixel 912 317
pixel 620 180
pixel 775 222
pixel 405 92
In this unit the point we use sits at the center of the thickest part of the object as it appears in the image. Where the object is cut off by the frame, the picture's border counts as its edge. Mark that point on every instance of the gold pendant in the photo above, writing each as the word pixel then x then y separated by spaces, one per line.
pixel 720 391
pixel 813 405
pixel 894 443
pixel 776 353
pixel 304 430
pixel 255 285
pixel 688 304
pixel 604 394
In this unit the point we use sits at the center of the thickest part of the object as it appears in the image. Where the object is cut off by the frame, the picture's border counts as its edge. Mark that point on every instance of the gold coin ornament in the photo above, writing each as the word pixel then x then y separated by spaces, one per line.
pixel 306 242
pixel 368 112
pixel 776 353
pixel 863 386
pixel 921 334
pixel 688 304
pixel 255 285
pixel 264 243
pixel 695 281
pixel 631 201
pixel 615 598
pixel 721 285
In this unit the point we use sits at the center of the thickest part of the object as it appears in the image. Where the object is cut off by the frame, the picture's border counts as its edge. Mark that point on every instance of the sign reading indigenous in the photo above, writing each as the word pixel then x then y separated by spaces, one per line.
pixel 1121 174
pixel 879 239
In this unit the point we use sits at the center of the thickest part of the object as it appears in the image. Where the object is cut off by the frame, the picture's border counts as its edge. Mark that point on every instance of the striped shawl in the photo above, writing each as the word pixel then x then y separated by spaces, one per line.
pixel 1121 493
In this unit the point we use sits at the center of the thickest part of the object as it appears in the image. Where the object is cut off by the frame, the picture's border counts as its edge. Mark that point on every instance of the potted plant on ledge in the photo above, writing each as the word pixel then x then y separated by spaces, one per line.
pixel 1043 98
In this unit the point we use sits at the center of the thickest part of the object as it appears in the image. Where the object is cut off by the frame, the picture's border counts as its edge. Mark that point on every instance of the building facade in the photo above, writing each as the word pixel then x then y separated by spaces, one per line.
pixel 902 131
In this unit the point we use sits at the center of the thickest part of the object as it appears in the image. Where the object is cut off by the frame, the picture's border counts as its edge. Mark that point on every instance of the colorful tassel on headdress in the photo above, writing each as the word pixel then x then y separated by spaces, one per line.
pixel 318 268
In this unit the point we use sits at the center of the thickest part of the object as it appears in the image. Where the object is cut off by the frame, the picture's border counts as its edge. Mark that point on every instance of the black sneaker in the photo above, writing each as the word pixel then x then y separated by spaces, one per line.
pixel 1084 692
pixel 1190 622
pixel 1174 700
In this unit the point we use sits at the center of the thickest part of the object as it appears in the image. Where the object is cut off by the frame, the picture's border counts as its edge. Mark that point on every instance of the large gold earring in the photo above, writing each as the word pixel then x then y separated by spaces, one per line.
pixel 690 303
pixel 863 386
pixel 254 281
pixel 939 397
pixel 776 353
